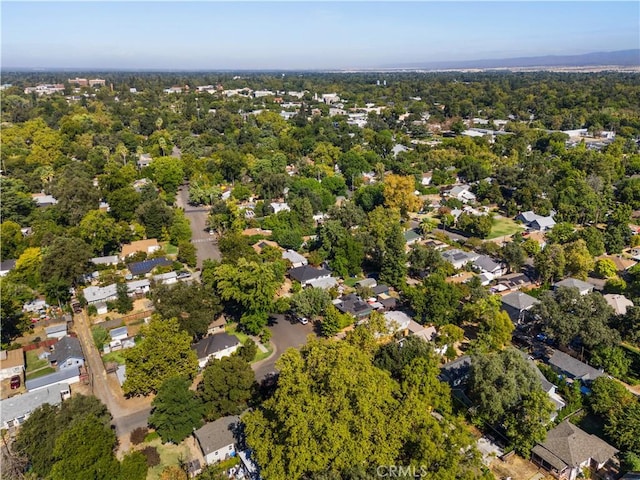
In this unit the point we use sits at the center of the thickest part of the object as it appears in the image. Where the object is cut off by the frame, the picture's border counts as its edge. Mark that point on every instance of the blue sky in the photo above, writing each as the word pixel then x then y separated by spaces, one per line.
pixel 304 35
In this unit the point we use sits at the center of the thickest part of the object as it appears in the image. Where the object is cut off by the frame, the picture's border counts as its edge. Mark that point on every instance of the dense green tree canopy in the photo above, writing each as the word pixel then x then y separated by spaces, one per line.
pixel 164 352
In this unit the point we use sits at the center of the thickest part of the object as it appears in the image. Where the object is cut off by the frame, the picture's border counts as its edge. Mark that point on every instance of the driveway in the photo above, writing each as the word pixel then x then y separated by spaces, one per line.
pixel 127 414
pixel 206 247
pixel 284 334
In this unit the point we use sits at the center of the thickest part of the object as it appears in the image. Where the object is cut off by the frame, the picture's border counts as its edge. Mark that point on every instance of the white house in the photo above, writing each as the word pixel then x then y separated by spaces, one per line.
pixel 217 439
pixel 67 353
pixel 295 258
pixel 215 346
pixel 168 278
pixel 462 193
pixel 280 207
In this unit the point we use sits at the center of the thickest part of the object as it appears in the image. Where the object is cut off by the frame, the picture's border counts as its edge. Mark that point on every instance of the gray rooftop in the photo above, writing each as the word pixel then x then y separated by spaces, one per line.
pixel 573 366
pixel 216 435
pixel 110 260
pixel 568 446
pixel 66 348
pixel 486 263
pixel 100 294
pixel 24 404
pixel 574 283
pixel 60 327
pixel 53 378
pixel 294 257
pixel 519 300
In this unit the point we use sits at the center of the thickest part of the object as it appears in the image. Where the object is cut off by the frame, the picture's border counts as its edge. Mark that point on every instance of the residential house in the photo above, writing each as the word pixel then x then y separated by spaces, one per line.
pixel 458 258
pixel 94 295
pixel 536 222
pixel 513 281
pixel 280 207
pixel 619 303
pixel 217 325
pixel 34 306
pixel 138 287
pixel 583 287
pixel 573 368
pixel 548 387
pixel 120 339
pixel 261 244
pixel 147 246
pixel 397 322
pixel 489 266
pixel 7 266
pixel 353 305
pixel 58 331
pixel 168 278
pixel 295 258
pixel 367 283
pixel 146 266
pixel 426 179
pixel 11 363
pixel 144 160
pixel 215 346
pixel 67 353
pixel 568 449
pixel 217 439
pixel 462 193
pixel 456 373
pixel 61 377
pixel 108 260
pixel 323 283
pixel 428 334
pixel 307 273
pixel 15 410
pixel 518 306
pixel 622 264
pixel 412 236
pixel 43 200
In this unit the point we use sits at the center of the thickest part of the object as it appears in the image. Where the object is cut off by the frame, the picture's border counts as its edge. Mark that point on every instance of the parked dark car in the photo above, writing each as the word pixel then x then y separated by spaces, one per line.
pixel 15 382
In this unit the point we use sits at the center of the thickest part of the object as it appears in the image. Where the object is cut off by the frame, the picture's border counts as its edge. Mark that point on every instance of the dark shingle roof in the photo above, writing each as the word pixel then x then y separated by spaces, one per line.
pixel 215 435
pixel 457 371
pixel 142 268
pixel 307 272
pixel 214 343
pixel 66 348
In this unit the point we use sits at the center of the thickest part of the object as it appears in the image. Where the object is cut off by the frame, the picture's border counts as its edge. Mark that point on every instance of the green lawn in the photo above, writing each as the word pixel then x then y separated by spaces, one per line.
pixel 113 357
pixel 170 454
pixel 169 249
pixel 503 227
pixel 243 337
pixel 33 362
pixel 40 372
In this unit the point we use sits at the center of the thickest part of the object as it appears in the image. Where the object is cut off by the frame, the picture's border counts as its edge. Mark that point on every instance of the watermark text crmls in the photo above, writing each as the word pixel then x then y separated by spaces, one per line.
pixel 401 471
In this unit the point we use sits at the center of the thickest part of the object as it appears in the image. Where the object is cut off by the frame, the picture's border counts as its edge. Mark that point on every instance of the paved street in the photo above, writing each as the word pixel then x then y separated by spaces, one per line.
pixel 205 245
pixel 285 334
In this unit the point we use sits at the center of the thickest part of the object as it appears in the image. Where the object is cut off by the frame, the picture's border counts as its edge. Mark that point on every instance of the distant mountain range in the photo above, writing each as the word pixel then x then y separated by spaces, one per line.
pixel 620 58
